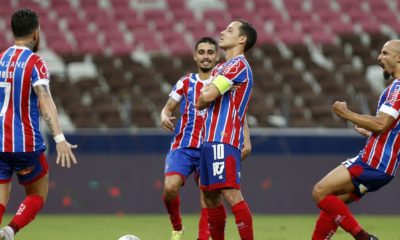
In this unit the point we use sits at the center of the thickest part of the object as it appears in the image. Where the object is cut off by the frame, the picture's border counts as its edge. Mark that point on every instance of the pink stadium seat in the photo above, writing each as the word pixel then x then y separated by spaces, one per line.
pixel 135 24
pixel 182 14
pixel 61 46
pixel 370 26
pixel 124 13
pixel 92 47
pixel 216 16
pixel 310 25
pixel 265 4
pixel 155 15
pixel 269 14
pixel 240 13
pixel 290 37
pixel 321 37
pixel 340 27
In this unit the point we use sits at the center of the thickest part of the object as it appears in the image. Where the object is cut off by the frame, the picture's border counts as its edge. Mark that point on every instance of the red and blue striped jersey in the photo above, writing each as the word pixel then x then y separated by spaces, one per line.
pixel 188 128
pixel 226 115
pixel 20 70
pixel 382 150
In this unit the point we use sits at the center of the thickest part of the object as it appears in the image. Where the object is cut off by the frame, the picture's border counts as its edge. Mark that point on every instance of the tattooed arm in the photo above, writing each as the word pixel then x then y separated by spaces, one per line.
pixel 48 112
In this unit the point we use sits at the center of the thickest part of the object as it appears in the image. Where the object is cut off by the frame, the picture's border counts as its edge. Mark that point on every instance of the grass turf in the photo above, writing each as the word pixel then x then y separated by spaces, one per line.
pixel 157 227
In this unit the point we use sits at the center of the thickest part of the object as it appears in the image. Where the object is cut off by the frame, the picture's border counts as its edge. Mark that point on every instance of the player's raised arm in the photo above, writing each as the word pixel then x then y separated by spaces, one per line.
pixel 48 111
pixel 377 124
pixel 167 120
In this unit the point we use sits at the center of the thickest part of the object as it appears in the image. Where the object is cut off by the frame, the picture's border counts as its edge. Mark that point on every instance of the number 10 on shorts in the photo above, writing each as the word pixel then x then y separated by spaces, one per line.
pixel 219 153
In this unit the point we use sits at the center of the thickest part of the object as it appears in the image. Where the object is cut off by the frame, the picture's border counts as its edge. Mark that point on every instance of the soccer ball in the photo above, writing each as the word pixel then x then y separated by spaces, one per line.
pixel 128 237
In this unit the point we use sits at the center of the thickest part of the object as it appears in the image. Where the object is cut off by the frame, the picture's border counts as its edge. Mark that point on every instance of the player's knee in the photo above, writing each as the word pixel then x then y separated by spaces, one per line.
pixel 171 191
pixel 318 193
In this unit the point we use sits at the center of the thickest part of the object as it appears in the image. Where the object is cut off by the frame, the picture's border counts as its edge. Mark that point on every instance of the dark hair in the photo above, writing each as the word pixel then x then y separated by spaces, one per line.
pixel 24 22
pixel 249 31
pixel 209 40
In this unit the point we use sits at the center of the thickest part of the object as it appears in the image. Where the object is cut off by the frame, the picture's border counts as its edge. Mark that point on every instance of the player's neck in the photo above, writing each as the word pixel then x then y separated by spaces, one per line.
pixel 233 52
pixel 24 43
pixel 204 75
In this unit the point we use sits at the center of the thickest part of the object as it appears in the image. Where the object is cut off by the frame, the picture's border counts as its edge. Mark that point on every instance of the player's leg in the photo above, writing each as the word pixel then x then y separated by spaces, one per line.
pixel 171 199
pixel 325 226
pixel 178 166
pixel 36 195
pixel 241 211
pixel 5 189
pixel 204 231
pixel 32 171
pixel 216 214
pixel 325 194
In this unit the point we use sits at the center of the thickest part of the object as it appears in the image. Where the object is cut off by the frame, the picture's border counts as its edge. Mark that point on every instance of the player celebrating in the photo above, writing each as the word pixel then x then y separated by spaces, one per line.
pixel 376 164
pixel 224 130
pixel 24 83
pixel 184 155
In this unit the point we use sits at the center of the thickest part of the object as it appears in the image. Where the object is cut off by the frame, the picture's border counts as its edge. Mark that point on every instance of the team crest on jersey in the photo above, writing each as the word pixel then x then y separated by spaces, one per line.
pixel 232 67
pixel 44 69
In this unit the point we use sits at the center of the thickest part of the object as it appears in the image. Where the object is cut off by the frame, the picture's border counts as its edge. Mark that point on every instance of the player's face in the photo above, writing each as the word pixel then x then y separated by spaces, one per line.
pixel 206 56
pixel 387 60
pixel 230 37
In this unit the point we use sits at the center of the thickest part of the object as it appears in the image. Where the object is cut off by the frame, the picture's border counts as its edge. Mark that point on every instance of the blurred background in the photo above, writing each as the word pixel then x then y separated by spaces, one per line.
pixel 114 62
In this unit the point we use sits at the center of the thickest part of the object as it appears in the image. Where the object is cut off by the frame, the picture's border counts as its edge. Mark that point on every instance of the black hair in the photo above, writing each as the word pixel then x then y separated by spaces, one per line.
pixel 24 22
pixel 249 31
pixel 209 40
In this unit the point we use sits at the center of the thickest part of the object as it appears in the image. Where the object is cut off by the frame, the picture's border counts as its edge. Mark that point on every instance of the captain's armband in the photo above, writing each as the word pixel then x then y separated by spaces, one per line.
pixel 222 83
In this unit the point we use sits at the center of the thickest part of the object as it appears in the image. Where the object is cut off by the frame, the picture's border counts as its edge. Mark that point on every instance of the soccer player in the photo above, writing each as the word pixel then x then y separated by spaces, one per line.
pixel 373 167
pixel 24 94
pixel 184 155
pixel 226 100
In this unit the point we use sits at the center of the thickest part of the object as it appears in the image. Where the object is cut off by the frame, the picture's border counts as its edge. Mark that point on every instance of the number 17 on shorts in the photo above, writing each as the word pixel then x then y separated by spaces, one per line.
pixel 219 166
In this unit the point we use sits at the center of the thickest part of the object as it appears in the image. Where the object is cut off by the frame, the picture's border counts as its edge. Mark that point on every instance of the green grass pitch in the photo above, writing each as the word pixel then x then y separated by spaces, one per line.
pixel 157 227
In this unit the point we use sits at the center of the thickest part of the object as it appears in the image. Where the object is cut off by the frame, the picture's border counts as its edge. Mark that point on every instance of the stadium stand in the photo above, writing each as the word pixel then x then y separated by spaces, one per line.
pixel 309 53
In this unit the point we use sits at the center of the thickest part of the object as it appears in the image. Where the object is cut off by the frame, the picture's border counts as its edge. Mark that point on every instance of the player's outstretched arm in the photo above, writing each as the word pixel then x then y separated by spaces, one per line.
pixel 247 143
pixel 167 120
pixel 48 111
pixel 376 124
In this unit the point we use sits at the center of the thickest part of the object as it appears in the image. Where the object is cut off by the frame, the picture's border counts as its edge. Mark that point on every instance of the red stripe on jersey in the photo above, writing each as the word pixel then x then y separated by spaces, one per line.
pixel 25 94
pixel 8 119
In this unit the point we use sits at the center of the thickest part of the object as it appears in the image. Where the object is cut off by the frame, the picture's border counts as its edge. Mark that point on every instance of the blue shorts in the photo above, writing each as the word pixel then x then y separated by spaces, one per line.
pixel 29 166
pixel 219 166
pixel 364 177
pixel 183 162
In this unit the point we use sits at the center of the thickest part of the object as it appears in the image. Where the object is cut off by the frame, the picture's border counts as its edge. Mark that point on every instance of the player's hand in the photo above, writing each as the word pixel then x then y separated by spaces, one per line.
pixel 65 156
pixel 340 108
pixel 168 123
pixel 362 131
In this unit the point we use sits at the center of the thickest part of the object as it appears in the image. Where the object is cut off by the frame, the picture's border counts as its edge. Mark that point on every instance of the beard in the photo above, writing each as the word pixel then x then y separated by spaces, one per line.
pixel 35 47
pixel 386 75
pixel 205 70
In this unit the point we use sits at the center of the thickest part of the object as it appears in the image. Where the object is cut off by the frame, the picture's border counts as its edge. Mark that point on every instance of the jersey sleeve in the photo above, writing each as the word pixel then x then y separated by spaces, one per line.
pixel 178 90
pixel 235 71
pixel 40 73
pixel 392 104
